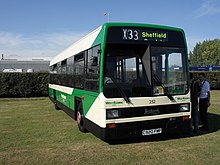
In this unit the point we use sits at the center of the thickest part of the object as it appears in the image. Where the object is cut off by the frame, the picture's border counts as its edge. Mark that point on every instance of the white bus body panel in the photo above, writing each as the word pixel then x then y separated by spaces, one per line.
pixel 97 112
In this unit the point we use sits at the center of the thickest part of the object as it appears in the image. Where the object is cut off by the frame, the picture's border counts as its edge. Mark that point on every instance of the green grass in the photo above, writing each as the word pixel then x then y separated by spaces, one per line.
pixel 32 132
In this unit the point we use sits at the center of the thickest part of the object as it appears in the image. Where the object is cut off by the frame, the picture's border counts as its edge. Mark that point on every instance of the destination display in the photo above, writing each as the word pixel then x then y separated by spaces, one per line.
pixel 141 35
pixel 144 35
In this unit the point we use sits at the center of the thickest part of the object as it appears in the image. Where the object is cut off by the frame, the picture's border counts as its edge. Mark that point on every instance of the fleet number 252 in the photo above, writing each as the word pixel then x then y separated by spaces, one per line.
pixel 152 101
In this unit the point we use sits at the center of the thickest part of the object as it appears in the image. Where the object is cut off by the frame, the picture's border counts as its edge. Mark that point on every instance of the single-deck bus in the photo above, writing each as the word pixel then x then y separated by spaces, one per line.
pixel 124 80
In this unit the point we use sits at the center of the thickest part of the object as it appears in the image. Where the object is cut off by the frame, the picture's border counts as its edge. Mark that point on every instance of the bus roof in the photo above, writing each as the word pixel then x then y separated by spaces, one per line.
pixel 143 25
pixel 77 47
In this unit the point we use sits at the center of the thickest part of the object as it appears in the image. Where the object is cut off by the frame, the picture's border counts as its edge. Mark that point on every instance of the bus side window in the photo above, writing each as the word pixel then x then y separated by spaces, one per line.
pixel 92 69
pixel 70 69
pixel 79 61
pixel 53 74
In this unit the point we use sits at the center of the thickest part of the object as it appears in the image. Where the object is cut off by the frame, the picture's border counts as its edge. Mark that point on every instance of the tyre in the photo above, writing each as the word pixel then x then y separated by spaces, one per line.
pixel 80 119
pixel 55 106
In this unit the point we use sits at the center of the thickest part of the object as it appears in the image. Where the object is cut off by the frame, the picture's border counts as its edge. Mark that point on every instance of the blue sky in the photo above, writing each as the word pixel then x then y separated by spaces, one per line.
pixel 43 28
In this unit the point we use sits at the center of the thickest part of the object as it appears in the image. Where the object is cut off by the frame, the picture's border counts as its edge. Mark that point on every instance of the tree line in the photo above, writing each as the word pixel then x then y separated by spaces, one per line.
pixel 206 53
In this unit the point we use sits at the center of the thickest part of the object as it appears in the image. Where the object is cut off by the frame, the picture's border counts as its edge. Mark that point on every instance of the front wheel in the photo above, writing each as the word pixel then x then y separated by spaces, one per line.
pixel 80 119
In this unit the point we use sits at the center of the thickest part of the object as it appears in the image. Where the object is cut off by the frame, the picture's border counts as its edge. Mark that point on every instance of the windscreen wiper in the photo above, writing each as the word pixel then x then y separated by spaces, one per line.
pixel 120 91
pixel 158 80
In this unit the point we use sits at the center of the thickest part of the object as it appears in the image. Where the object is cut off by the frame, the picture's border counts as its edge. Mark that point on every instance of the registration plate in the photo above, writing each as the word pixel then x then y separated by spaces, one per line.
pixel 151 131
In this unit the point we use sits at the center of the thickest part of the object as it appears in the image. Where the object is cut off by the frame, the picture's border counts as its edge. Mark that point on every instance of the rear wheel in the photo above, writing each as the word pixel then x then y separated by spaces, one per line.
pixel 55 100
pixel 55 106
pixel 80 119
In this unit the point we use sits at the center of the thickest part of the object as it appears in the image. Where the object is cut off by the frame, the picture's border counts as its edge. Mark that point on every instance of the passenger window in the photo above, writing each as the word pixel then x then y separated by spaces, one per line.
pixel 92 69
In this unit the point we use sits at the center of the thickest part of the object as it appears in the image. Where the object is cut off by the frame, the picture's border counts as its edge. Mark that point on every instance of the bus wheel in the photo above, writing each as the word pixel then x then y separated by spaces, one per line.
pixel 55 106
pixel 80 118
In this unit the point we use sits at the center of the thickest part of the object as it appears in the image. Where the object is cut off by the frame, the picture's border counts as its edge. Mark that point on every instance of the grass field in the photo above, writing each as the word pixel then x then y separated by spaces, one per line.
pixel 32 132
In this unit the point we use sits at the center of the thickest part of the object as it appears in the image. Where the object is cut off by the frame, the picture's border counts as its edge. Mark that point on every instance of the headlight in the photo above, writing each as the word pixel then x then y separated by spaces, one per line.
pixel 184 107
pixel 111 114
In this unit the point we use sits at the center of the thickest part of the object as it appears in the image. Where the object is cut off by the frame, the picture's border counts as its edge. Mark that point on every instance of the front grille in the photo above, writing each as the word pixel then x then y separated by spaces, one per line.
pixel 148 111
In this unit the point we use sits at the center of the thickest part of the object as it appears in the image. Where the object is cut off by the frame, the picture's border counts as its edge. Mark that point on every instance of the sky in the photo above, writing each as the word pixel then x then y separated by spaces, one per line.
pixel 40 29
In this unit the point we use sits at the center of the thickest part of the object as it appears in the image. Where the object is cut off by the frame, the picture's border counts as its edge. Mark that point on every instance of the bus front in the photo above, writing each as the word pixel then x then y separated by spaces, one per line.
pixel 145 81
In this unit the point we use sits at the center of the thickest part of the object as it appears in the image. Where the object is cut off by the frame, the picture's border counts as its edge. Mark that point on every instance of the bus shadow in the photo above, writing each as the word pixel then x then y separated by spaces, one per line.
pixel 214 123
pixel 152 138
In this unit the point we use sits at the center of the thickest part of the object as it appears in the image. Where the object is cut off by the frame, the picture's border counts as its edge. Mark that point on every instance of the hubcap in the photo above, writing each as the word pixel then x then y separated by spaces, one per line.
pixel 78 117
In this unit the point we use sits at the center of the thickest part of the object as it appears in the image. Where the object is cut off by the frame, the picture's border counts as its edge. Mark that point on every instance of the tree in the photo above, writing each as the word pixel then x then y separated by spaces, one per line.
pixel 206 53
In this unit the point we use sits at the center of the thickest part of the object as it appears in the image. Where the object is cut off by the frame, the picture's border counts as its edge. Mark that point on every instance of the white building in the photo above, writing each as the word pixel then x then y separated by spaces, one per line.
pixel 34 65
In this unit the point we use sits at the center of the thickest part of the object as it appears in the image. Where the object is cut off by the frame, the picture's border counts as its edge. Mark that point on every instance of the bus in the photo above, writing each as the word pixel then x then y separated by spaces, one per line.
pixel 118 81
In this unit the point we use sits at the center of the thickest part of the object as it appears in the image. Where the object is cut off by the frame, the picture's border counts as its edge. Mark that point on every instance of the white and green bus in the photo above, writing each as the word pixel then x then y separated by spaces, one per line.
pixel 124 80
